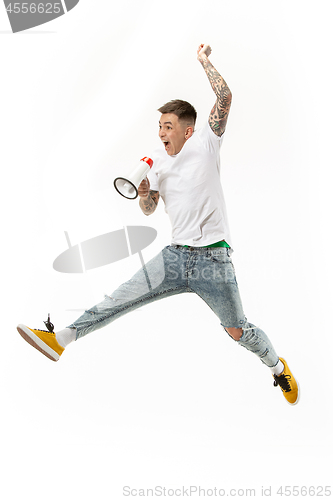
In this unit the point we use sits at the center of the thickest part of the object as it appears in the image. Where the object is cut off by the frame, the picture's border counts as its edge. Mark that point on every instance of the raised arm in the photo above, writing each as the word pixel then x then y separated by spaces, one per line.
pixel 148 198
pixel 219 114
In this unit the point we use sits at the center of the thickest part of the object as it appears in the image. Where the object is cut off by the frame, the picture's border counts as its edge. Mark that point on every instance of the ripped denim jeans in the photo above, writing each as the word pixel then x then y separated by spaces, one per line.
pixel 208 272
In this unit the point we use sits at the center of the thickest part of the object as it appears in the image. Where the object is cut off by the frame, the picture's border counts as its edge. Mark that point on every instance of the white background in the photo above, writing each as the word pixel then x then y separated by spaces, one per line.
pixel 163 396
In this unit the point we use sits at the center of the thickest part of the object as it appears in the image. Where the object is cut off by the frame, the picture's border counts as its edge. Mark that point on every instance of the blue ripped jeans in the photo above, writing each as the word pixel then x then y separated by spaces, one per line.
pixel 208 272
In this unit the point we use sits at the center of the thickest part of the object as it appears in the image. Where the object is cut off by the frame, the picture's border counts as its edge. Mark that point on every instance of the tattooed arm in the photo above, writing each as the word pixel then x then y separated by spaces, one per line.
pixel 148 198
pixel 219 114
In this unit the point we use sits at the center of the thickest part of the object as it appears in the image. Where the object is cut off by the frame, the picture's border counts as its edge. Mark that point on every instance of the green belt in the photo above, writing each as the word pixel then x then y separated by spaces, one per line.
pixel 218 244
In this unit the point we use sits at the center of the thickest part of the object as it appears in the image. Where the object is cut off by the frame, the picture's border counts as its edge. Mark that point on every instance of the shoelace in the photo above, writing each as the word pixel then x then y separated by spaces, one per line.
pixel 48 324
pixel 283 382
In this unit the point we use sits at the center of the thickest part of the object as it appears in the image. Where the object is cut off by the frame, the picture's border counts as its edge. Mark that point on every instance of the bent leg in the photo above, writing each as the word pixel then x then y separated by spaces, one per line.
pixel 215 282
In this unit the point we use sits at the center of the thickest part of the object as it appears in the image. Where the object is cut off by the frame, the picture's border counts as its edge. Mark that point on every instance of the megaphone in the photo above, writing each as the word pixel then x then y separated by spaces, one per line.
pixel 128 187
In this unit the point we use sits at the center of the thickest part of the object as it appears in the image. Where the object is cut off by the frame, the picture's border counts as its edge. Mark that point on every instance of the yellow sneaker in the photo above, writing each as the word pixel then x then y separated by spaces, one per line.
pixel 288 384
pixel 43 340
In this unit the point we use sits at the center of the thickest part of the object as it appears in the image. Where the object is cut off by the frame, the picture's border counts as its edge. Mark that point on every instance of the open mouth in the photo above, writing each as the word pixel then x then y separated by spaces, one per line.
pixel 166 144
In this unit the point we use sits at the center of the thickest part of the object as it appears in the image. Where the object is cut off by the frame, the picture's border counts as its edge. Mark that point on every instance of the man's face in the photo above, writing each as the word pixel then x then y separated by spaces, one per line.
pixel 173 133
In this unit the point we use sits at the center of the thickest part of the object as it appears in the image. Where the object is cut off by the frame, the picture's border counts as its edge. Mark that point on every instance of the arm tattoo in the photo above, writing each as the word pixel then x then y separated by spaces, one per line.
pixel 149 204
pixel 219 114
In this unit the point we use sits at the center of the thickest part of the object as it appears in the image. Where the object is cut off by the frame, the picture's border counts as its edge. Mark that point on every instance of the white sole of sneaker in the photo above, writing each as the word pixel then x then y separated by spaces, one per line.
pixel 37 343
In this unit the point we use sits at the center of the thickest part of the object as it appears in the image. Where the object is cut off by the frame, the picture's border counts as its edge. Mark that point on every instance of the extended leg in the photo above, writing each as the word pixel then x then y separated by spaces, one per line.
pixel 152 282
pixel 161 277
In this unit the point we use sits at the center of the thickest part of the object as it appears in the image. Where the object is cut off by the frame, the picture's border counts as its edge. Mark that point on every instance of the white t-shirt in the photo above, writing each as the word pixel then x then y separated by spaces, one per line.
pixel 189 184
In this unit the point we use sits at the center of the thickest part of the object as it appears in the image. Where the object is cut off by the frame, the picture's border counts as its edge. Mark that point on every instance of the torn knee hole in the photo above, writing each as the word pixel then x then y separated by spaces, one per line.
pixel 235 333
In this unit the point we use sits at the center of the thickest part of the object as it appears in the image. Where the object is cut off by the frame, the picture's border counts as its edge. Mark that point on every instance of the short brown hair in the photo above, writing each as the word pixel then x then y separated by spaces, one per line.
pixel 183 109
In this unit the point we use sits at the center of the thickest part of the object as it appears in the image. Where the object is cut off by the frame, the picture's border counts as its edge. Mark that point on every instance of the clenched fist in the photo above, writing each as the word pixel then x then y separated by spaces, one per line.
pixel 203 50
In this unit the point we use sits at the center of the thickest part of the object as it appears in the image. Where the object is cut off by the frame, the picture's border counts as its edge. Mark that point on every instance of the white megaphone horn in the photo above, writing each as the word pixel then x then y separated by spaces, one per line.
pixel 128 187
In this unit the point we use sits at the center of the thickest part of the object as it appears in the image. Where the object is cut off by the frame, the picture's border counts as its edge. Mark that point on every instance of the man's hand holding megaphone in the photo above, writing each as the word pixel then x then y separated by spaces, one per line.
pixel 148 199
pixel 143 189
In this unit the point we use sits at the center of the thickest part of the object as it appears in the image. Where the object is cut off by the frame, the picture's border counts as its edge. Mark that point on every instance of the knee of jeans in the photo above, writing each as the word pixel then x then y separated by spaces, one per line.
pixel 251 335
pixel 238 331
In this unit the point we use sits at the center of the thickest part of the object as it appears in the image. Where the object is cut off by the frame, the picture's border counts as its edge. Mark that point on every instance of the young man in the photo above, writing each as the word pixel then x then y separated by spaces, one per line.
pixel 186 175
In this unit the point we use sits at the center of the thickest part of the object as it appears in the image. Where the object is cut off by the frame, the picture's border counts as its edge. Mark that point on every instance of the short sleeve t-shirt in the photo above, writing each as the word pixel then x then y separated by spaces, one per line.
pixel 190 187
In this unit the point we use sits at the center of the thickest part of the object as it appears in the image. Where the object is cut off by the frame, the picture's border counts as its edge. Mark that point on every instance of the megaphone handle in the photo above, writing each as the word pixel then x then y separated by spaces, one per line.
pixel 145 270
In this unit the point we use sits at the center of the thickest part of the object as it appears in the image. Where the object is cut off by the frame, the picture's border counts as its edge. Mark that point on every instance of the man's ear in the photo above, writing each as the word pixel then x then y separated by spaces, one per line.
pixel 189 132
